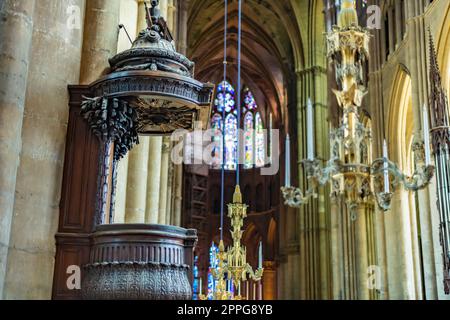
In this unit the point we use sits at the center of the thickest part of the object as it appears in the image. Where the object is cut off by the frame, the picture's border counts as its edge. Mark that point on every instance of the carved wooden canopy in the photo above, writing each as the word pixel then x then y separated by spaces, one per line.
pixel 156 81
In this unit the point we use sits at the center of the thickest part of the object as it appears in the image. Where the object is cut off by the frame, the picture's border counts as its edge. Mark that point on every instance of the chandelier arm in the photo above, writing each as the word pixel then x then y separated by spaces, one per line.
pixel 419 180
pixel 317 176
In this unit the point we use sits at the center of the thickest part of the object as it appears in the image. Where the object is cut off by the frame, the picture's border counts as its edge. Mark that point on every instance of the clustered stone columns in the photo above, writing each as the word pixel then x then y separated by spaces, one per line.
pixel 137 183
pixel 311 266
pixel 16 29
pixel 153 180
pixel 54 62
pixel 100 38
pixel 428 213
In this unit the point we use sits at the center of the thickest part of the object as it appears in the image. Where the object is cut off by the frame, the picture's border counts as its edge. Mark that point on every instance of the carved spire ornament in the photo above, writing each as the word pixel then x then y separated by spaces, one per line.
pixel 351 172
pixel 440 134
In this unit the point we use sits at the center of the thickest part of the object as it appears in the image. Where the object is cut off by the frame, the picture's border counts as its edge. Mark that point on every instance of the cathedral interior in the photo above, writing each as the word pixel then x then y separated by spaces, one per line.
pixel 225 149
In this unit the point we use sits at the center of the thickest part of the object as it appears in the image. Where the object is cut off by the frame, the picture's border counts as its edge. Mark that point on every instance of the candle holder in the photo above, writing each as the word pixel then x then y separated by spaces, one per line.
pixel 232 263
pixel 351 172
pixel 357 180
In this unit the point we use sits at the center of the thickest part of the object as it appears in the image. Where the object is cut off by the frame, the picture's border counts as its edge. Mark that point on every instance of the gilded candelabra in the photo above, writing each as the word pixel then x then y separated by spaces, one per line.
pixel 232 263
pixel 351 171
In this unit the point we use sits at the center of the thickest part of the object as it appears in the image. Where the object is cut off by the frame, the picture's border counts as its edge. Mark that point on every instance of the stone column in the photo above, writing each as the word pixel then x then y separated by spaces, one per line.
pixel 182 26
pixel 54 63
pixel 141 18
pixel 128 17
pixel 399 250
pixel 361 254
pixel 137 183
pixel 336 252
pixel 139 159
pixel 178 195
pixel 100 38
pixel 165 158
pixel 167 168
pixel 398 23
pixel 16 29
pixel 270 281
pixel 170 185
pixel 121 191
pixel 428 213
pixel 153 180
pixel 391 30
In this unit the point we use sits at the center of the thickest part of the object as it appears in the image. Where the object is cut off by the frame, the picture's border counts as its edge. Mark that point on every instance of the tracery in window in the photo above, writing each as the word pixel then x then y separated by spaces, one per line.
pixel 252 125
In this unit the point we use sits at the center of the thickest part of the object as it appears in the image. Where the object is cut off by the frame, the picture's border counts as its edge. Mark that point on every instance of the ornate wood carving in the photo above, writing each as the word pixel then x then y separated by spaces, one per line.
pixel 139 262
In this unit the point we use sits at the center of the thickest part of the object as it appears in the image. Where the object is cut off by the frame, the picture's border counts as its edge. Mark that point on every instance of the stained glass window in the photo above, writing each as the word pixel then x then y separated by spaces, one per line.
pixel 195 286
pixel 231 142
pixel 225 98
pixel 259 142
pixel 213 262
pixel 216 127
pixel 248 140
pixel 253 129
pixel 249 101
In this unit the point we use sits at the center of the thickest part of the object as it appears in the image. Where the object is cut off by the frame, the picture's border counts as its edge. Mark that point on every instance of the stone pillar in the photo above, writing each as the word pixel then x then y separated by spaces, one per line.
pixel 54 63
pixel 121 191
pixel 314 228
pixel 167 164
pixel 391 30
pixel 100 38
pixel 428 213
pixel 336 252
pixel 141 18
pixel 139 157
pixel 361 254
pixel 182 26
pixel 137 182
pixel 165 158
pixel 170 187
pixel 128 17
pixel 270 281
pixel 153 180
pixel 399 249
pixel 178 195
pixel 398 23
pixel 16 30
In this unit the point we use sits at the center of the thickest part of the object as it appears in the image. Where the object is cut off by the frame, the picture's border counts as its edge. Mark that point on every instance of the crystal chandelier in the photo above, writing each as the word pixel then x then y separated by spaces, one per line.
pixel 351 171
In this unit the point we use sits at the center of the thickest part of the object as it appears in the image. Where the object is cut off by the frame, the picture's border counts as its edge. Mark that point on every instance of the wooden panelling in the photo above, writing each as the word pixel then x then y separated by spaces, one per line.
pixel 77 206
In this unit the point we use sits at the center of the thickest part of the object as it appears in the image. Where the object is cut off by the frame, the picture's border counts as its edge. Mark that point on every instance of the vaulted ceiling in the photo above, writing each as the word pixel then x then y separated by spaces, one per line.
pixel 271 46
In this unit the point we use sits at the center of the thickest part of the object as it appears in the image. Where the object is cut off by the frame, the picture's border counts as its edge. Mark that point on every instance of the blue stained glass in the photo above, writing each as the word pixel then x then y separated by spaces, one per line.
pixel 224 98
pixel 195 286
pixel 248 140
pixel 249 100
pixel 213 263
pixel 217 127
pixel 231 141
pixel 259 142
pixel 253 129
